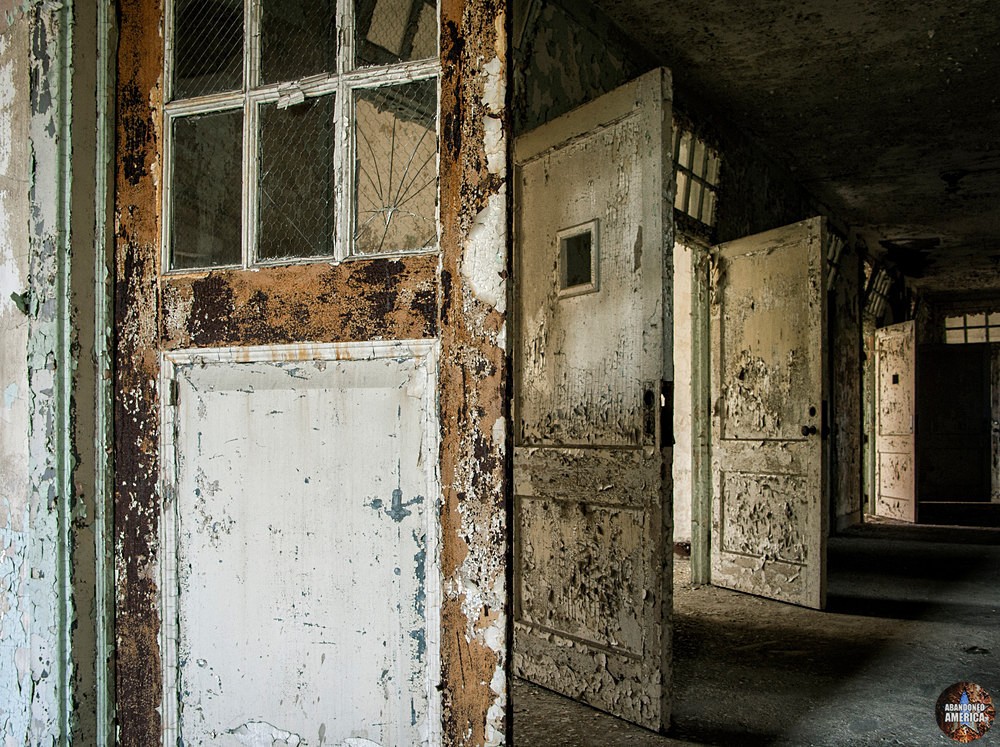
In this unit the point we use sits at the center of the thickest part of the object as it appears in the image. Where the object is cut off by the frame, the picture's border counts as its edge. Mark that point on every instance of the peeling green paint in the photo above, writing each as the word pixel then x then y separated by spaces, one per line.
pixel 36 580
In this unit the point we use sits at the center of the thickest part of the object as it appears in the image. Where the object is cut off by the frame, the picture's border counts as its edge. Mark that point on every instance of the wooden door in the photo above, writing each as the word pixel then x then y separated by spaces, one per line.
pixel 895 421
pixel 770 505
pixel 591 473
pixel 310 373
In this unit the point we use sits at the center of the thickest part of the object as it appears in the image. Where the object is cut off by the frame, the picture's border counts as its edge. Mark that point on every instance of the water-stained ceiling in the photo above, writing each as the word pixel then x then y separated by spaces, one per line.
pixel 886 110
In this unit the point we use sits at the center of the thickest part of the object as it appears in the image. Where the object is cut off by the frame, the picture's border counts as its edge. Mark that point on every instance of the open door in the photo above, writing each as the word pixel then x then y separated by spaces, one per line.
pixel 895 410
pixel 591 471
pixel 769 394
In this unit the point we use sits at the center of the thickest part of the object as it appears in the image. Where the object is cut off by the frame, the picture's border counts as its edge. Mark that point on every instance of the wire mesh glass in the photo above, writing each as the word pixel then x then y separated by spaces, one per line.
pixel 297 180
pixel 390 31
pixel 396 168
pixel 205 190
pixel 298 38
pixel 208 47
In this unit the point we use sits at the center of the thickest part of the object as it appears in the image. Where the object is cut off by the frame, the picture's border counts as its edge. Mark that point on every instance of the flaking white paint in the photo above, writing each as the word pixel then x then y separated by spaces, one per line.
pixel 302 502
pixel 485 258
pixel 30 625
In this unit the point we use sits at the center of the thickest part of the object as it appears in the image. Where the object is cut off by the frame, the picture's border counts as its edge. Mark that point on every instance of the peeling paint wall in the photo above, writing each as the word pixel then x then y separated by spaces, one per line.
pixel 473 397
pixel 37 613
pixel 16 519
pixel 136 438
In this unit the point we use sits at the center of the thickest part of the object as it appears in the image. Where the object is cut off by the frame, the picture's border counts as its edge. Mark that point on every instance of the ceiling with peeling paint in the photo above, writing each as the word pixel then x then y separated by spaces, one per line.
pixel 886 111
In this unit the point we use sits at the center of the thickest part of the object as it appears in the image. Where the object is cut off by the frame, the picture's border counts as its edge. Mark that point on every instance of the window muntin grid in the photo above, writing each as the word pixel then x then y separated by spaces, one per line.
pixel 300 155
pixel 696 169
pixel 972 328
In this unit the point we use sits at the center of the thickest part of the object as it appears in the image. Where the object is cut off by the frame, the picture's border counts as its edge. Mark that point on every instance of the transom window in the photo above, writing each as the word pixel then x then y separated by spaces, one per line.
pixel 299 130
pixel 697 173
pixel 981 327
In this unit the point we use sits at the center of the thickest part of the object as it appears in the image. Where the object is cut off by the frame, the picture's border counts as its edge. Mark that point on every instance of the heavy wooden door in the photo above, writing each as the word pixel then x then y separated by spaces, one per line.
pixel 895 421
pixel 591 473
pixel 770 516
pixel 310 373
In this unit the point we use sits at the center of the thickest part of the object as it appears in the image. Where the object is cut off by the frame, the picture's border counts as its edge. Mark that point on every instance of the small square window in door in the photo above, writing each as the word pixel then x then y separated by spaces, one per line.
pixel 579 259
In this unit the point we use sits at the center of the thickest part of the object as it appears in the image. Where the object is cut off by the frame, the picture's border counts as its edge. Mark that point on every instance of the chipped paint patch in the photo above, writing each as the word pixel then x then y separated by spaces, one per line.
pixel 263 734
pixel 485 262
pixel 36 370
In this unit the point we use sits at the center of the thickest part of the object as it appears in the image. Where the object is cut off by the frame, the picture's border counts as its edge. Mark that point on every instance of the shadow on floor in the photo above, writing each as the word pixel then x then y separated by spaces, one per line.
pixel 908 615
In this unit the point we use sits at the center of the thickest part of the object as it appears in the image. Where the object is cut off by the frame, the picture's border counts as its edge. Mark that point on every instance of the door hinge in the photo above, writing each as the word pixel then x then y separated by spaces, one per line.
pixel 173 393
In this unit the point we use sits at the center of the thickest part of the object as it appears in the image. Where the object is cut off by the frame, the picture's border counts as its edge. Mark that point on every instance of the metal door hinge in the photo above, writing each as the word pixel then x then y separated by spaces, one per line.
pixel 172 393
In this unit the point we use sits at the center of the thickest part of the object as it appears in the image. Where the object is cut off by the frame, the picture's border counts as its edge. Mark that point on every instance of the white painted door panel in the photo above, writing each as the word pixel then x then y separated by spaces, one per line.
pixel 770 507
pixel 895 420
pixel 592 569
pixel 302 521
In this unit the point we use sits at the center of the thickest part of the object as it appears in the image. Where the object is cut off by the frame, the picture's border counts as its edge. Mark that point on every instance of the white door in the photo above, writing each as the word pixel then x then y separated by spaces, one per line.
pixel 770 505
pixel 895 421
pixel 591 474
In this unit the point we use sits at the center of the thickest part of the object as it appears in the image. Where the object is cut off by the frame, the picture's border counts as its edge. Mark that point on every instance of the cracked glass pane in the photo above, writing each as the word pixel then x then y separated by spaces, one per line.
pixel 208 47
pixel 207 152
pixel 296 180
pixel 396 168
pixel 298 39
pixel 390 31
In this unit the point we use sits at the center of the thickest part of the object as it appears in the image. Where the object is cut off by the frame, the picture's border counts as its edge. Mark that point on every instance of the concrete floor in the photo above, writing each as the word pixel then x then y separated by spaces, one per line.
pixel 910 612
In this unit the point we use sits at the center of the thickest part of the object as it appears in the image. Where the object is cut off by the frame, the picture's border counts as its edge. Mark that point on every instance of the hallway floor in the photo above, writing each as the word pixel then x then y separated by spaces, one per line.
pixel 911 610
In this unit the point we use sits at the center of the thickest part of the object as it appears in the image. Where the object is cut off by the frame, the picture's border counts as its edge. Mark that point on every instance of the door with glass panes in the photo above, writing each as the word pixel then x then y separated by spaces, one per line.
pixel 277 369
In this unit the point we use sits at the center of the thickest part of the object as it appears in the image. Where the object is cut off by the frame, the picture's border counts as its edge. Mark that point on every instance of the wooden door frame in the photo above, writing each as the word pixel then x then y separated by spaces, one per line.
pixel 701 414
pixel 464 307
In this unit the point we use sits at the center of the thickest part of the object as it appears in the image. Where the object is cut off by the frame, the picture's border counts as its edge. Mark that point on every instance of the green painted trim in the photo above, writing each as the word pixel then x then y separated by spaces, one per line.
pixel 104 415
pixel 65 366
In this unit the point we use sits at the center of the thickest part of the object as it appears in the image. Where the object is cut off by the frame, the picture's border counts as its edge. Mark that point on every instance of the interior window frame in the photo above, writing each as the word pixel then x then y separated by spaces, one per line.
pixel 350 75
